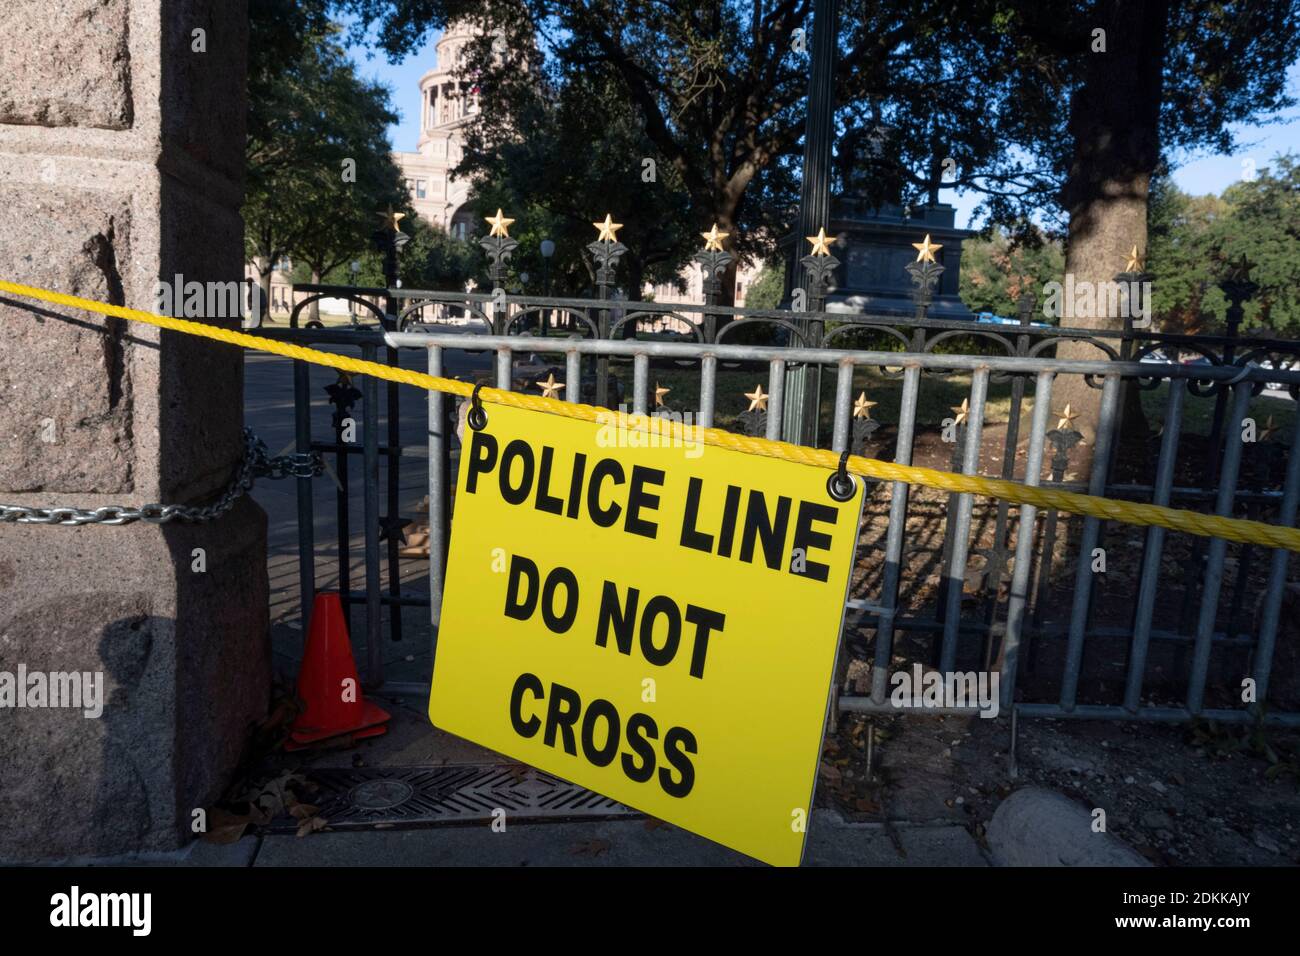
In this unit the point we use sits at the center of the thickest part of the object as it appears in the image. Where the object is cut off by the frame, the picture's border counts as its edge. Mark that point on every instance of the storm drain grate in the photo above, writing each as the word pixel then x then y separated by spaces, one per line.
pixel 420 796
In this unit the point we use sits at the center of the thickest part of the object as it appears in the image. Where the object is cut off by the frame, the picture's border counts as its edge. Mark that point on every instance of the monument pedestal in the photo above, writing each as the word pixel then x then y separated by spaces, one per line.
pixel 874 247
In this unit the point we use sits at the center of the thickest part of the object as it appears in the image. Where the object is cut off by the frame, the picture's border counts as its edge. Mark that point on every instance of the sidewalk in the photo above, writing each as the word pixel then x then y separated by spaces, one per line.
pixel 831 842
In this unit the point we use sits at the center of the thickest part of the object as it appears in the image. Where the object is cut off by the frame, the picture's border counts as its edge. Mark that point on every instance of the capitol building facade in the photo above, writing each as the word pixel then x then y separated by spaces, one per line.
pixel 448 104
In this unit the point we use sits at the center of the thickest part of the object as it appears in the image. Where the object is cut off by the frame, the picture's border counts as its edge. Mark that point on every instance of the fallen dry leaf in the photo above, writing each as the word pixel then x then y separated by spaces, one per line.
pixel 830 774
pixel 225 828
pixel 311 825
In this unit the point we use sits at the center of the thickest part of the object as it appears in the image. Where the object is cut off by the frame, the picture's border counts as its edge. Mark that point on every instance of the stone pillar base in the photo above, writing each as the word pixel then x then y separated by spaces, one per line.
pixel 184 668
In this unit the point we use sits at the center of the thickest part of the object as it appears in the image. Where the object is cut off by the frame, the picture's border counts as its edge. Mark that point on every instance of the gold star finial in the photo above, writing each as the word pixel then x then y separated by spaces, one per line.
pixel 391 219
pixel 1269 430
pixel 1067 417
pixel 962 411
pixel 550 388
pixel 862 408
pixel 500 225
pixel 757 400
pixel 660 392
pixel 1136 260
pixel 820 243
pixel 713 239
pixel 608 228
pixel 925 249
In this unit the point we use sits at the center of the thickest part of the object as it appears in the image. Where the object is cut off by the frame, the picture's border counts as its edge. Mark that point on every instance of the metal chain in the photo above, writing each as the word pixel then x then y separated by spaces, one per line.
pixel 255 464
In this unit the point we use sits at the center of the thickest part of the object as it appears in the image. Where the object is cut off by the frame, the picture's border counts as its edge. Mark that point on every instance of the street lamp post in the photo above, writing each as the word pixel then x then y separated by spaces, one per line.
pixel 355 268
pixel 389 239
pixel 548 250
pixel 803 384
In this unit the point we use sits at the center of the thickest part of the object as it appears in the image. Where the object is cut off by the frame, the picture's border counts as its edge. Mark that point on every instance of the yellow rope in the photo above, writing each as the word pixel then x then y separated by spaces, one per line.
pixel 1129 512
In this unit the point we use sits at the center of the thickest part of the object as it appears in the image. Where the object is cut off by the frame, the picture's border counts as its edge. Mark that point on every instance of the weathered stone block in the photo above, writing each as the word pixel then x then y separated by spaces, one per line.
pixel 65 387
pixel 185 664
pixel 65 63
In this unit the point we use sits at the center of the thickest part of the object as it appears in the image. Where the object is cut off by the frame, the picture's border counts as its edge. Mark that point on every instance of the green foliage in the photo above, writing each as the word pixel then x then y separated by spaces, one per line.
pixel 558 158
pixel 716 92
pixel 998 269
pixel 1194 240
pixel 765 292
pixel 430 260
pixel 318 158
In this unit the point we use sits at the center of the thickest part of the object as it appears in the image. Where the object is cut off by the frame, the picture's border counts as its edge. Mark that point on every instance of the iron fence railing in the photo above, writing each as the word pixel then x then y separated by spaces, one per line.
pixel 1033 614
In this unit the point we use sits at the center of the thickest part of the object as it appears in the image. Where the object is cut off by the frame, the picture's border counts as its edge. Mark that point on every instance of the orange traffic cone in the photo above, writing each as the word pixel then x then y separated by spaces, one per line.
pixel 328 684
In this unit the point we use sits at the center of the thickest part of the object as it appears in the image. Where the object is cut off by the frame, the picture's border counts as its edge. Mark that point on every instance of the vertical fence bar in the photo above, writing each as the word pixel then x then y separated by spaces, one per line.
pixel 640 382
pixel 306 515
pixel 1218 550
pixel 956 570
pixel 342 511
pixel 1277 572
pixel 708 389
pixel 573 375
pixel 776 398
pixel 505 368
pixel 438 492
pixel 370 438
pixel 1025 540
pixel 392 474
pixel 1155 544
pixel 894 537
pixel 1088 541
pixel 843 402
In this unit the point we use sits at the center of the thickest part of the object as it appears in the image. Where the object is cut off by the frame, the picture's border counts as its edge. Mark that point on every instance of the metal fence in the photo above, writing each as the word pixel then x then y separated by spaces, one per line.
pixel 1017 591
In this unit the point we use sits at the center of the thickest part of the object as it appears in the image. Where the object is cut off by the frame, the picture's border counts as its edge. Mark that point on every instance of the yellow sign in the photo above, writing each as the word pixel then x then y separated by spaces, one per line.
pixel 649 617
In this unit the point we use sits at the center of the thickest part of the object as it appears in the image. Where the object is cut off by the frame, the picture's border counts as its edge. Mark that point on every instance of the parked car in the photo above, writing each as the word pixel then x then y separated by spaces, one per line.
pixel 1281 367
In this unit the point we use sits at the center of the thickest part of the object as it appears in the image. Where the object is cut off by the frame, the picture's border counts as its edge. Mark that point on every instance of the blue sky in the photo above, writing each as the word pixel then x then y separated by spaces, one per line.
pixel 1197 173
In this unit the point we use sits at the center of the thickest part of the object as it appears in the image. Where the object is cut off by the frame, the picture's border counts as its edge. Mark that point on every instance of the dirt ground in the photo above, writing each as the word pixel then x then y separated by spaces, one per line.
pixel 1198 795
pixel 1180 796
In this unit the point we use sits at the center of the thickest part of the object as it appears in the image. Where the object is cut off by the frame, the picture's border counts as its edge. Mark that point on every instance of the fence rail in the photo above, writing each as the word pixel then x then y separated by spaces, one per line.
pixel 1182 653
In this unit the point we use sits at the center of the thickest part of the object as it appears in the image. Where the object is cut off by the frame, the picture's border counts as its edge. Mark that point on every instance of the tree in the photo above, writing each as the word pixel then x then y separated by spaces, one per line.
pixel 431 260
pixel 558 158
pixel 1143 80
pixel 318 158
pixel 1180 257
pixel 719 90
pixel 998 269
pixel 1196 240
pixel 766 291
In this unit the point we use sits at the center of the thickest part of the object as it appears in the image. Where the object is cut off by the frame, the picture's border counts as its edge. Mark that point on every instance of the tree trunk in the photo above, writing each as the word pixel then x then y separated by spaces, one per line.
pixel 1114 122
pixel 264 266
pixel 313 310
